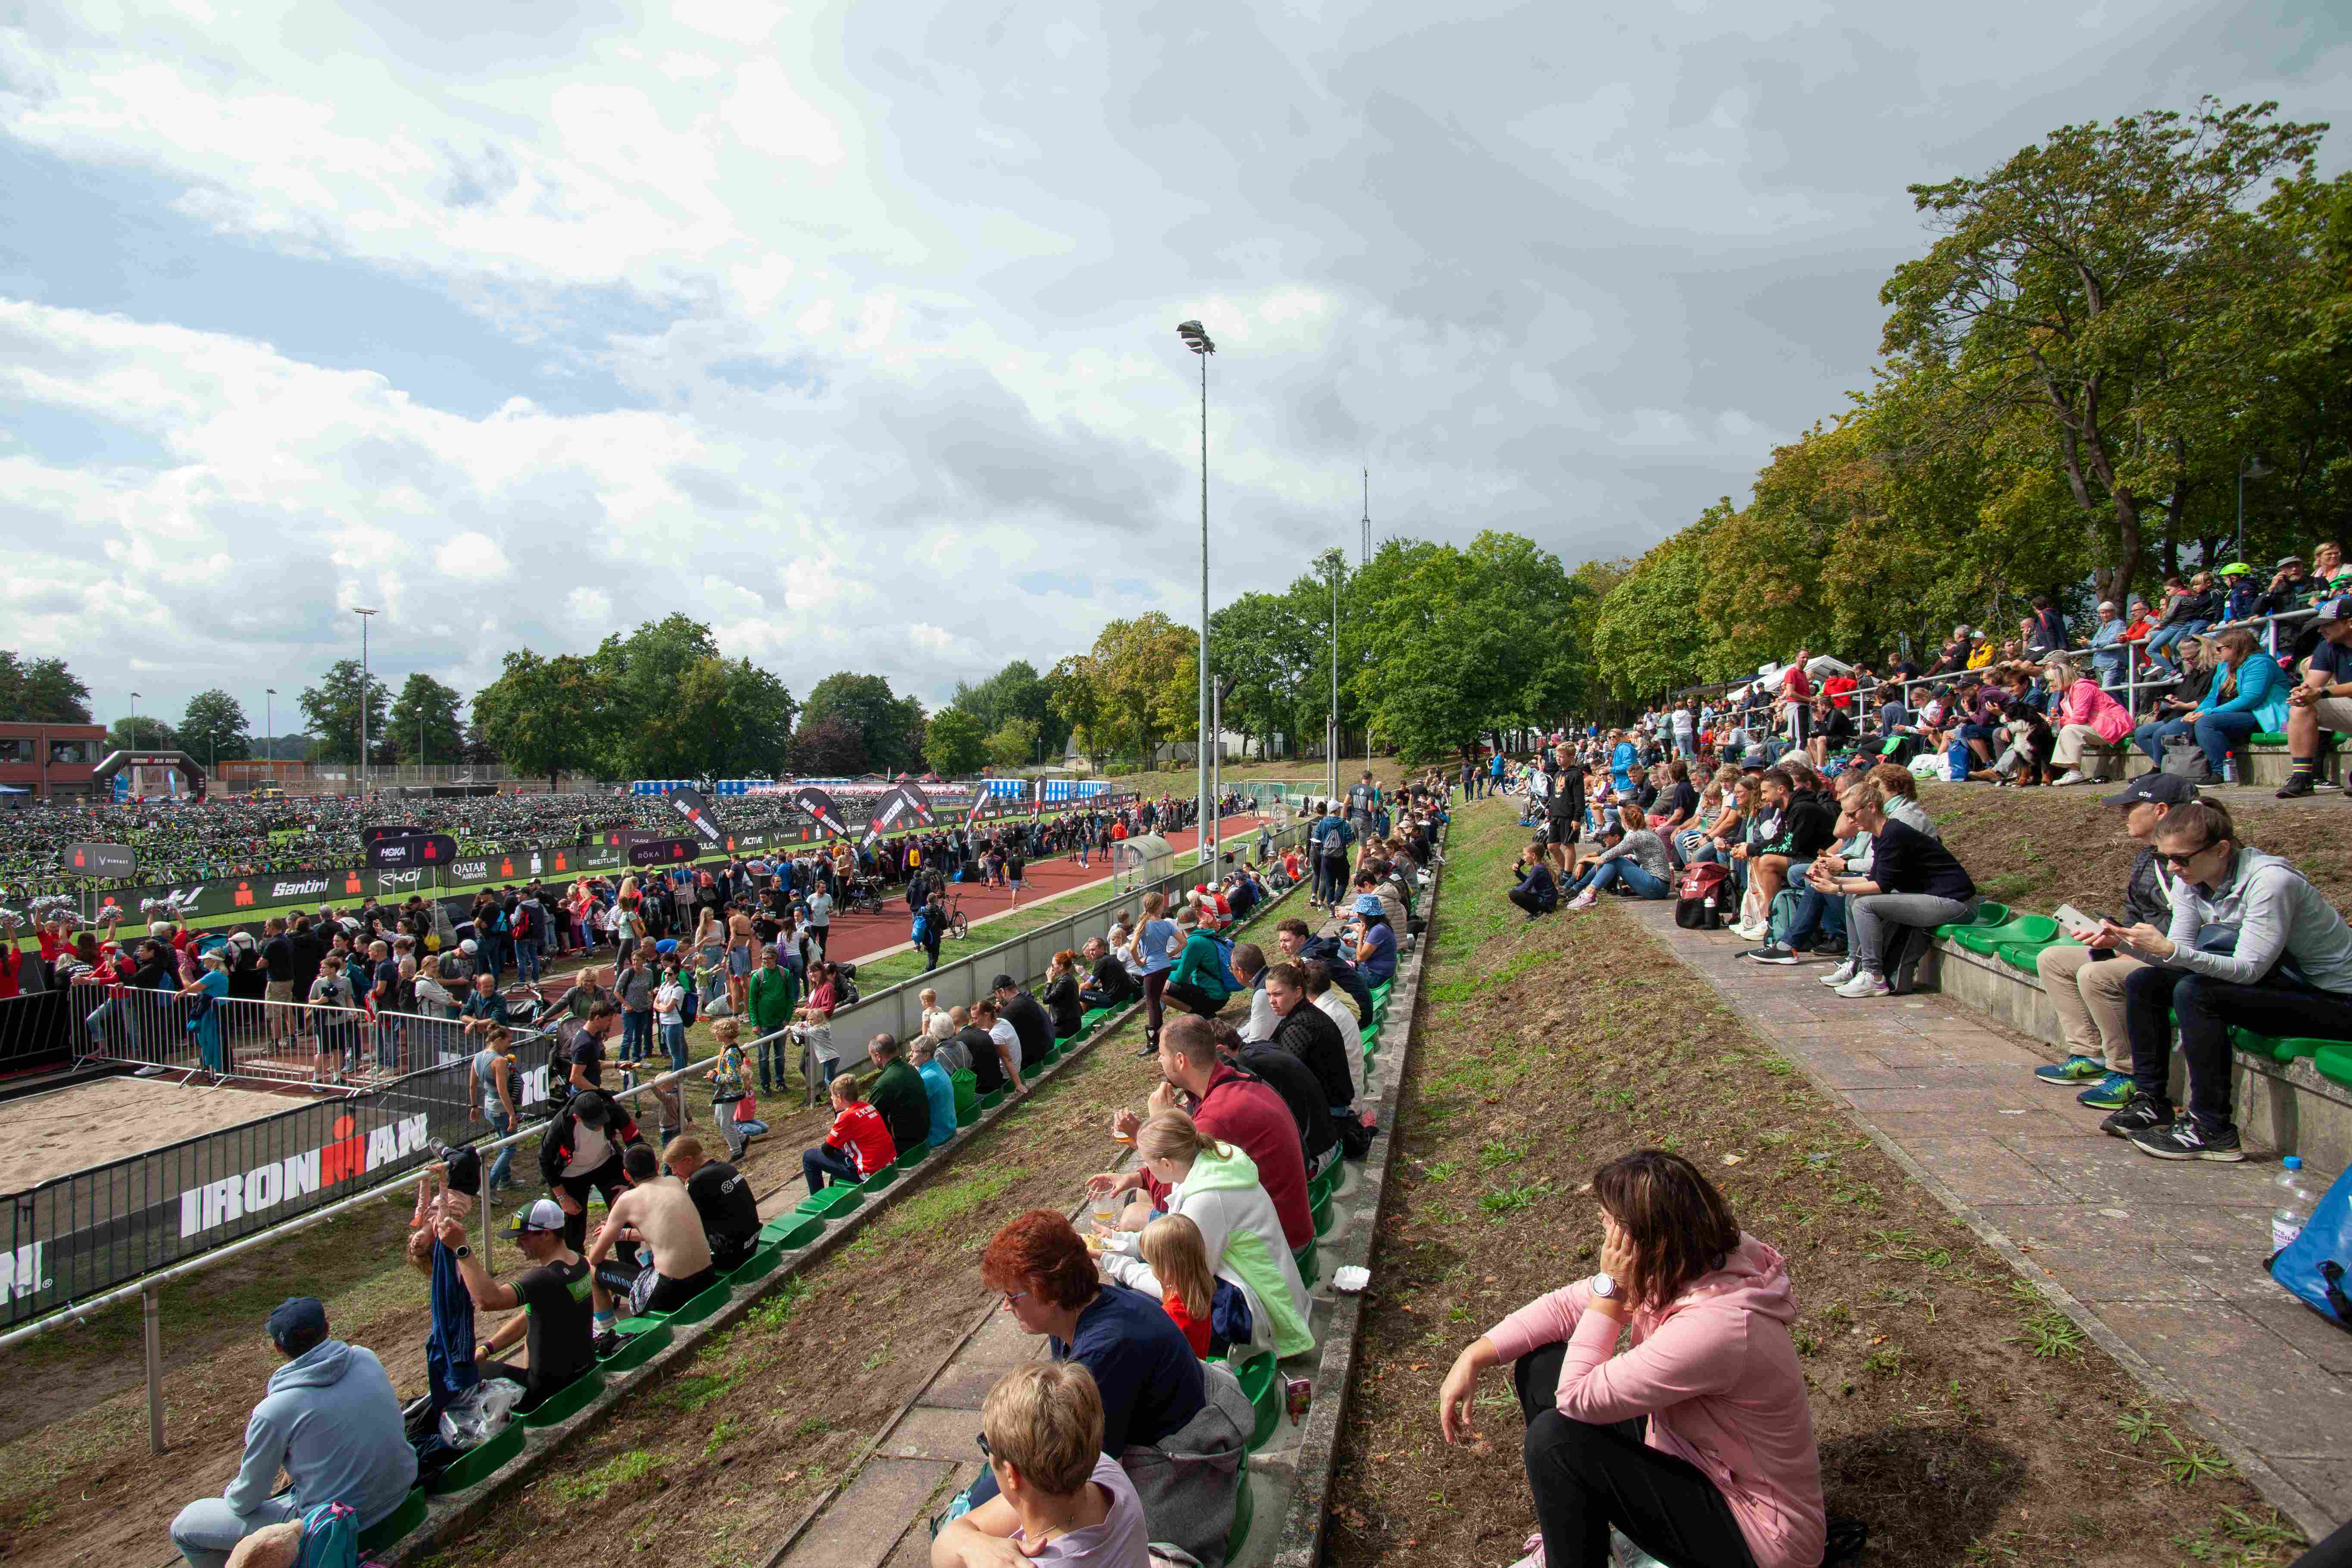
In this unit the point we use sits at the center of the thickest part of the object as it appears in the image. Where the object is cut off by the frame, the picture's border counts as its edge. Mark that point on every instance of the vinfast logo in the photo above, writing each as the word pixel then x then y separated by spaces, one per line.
pixel 297 887
pixel 350 1154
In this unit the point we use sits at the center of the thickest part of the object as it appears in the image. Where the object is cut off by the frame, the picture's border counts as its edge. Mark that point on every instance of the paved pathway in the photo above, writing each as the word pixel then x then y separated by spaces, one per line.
pixel 2162 1262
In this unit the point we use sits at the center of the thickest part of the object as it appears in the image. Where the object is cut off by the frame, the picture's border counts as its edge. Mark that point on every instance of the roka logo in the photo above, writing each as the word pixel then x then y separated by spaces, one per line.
pixel 242 897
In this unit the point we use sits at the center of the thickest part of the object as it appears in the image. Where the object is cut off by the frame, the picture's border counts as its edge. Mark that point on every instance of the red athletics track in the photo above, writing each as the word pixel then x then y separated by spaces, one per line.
pixel 860 936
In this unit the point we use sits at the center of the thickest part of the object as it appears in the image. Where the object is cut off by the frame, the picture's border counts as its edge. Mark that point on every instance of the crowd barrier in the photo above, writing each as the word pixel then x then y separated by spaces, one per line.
pixel 78 1234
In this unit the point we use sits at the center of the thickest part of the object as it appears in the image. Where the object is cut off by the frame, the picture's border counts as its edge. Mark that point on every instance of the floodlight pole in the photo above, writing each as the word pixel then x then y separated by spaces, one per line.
pixel 1198 341
pixel 364 615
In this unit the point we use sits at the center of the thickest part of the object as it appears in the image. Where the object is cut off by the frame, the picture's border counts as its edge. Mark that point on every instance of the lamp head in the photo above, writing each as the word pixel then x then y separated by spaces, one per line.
pixel 1195 337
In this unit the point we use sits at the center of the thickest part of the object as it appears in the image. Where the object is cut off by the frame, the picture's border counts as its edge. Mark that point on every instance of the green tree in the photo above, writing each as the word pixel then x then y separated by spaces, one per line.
pixel 213 729
pixel 1144 676
pixel 1017 691
pixel 41 691
pixel 331 709
pixel 142 734
pixel 954 743
pixel 829 746
pixel 424 728
pixel 2079 289
pixel 1014 743
pixel 545 715
pixel 888 728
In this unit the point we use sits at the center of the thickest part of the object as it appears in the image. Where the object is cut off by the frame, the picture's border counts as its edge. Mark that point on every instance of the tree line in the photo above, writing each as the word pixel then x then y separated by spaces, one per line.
pixel 2116 335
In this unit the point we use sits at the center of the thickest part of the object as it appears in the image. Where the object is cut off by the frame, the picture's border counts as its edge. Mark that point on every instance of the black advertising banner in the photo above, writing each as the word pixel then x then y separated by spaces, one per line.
pixel 697 811
pixel 99 861
pixel 376 830
pixel 401 854
pixel 902 807
pixel 661 851
pixel 819 804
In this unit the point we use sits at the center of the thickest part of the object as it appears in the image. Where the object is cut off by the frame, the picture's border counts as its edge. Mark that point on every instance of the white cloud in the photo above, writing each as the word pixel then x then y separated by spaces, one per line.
pixel 474 557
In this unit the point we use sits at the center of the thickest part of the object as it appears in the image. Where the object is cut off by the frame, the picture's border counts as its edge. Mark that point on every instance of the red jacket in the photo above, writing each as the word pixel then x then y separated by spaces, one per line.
pixel 1243 1110
pixel 861 1134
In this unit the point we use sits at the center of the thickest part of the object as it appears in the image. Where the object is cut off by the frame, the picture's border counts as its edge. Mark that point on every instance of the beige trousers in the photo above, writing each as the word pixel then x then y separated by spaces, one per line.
pixel 2089 998
pixel 2072 739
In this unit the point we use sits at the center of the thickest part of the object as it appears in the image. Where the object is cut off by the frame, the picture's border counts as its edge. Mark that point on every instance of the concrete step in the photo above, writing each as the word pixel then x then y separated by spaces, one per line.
pixel 862 1527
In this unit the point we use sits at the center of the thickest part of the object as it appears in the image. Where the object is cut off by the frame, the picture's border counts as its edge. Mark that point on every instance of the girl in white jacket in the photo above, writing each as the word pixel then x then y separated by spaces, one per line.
pixel 1215 1186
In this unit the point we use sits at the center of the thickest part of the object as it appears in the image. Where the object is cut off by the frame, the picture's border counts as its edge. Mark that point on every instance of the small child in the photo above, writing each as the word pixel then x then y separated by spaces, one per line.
pixel 930 997
pixel 858 1145
pixel 731 1102
pixel 1175 1262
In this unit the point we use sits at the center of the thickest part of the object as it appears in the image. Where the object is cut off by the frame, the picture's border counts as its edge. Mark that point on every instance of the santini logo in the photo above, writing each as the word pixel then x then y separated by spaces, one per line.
pixel 298 888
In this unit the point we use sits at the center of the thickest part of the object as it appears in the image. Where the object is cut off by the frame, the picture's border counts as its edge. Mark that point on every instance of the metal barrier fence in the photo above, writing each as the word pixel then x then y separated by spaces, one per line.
pixel 899 1009
pixel 251 1037
pixel 71 1235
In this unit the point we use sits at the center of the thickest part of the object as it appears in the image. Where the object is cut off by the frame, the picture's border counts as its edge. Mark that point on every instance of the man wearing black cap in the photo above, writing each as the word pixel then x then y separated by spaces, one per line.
pixel 2085 985
pixel 581 1149
pixel 2323 700
pixel 330 1421
pixel 1027 1016
pixel 553 1296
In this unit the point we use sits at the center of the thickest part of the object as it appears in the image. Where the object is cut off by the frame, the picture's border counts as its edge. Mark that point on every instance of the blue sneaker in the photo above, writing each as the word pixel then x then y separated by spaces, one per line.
pixel 2073 1069
pixel 2111 1093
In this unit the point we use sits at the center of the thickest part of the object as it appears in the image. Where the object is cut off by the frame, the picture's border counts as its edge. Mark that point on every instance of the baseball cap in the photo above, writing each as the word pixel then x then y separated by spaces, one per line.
pixel 2338 608
pixel 1003 983
pixel 542 1215
pixel 2165 789
pixel 298 1319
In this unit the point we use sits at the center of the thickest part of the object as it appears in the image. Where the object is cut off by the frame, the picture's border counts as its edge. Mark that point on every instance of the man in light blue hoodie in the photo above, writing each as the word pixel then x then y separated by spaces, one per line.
pixel 329 1420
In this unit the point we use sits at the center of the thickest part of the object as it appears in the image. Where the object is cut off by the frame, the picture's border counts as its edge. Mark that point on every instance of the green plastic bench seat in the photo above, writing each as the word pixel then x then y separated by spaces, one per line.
pixel 1989 913
pixel 1310 1267
pixel 2040 929
pixel 914 1156
pixel 1055 1054
pixel 640 1350
pixel 1321 1209
pixel 395 1525
pixel 2333 1061
pixel 566 1402
pixel 1262 1381
pixel 2278 1048
pixel 1092 1016
pixel 878 1180
pixel 967 1114
pixel 992 1099
pixel 833 1203
pixel 2329 738
pixel 2022 955
pixel 757 1267
pixel 791 1230
pixel 481 1462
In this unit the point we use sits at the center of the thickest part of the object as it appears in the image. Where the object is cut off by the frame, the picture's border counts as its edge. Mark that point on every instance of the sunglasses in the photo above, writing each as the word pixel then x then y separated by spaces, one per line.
pixel 1011 1297
pixel 2183 857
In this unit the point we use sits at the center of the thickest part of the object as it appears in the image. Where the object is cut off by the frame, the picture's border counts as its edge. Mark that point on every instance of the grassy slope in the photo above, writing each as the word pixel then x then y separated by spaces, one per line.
pixel 1956 1414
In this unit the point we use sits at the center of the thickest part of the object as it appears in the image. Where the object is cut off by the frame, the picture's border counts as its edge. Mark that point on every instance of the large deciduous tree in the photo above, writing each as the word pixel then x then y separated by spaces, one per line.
pixel 545 715
pixel 213 729
pixel 424 728
pixel 888 727
pixel 332 711
pixel 40 691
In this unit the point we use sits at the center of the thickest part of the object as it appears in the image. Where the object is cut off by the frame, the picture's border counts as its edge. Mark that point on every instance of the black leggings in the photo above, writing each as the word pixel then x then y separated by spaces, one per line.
pixel 1587 1477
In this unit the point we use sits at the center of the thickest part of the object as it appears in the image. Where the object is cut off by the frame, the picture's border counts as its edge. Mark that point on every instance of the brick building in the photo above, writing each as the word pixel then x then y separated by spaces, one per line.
pixel 51 759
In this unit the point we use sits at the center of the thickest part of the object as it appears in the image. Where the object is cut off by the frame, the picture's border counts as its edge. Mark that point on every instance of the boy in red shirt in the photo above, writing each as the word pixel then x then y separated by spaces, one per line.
pixel 858 1146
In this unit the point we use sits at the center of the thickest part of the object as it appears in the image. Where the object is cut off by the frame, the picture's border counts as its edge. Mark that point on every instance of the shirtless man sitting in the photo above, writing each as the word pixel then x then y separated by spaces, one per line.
pixel 655 1215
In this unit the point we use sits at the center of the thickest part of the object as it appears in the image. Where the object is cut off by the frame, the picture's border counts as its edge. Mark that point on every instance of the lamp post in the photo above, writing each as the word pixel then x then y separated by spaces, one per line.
pixel 365 616
pixel 134 721
pixel 269 724
pixel 1331 725
pixel 1198 341
pixel 2250 467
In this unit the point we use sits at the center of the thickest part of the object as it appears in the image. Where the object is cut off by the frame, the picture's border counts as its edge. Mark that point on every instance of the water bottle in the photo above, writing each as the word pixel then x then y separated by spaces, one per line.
pixel 2295 1202
pixel 2230 767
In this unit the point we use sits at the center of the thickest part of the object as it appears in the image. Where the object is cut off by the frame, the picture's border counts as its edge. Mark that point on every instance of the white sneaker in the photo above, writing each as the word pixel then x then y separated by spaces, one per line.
pixel 1757 931
pixel 1839 975
pixel 1865 985
pixel 1584 901
pixel 1535 1557
pixel 2071 776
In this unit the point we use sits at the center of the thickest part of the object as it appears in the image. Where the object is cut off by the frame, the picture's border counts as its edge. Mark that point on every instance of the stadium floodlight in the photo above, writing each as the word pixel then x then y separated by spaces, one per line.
pixel 365 616
pixel 1197 340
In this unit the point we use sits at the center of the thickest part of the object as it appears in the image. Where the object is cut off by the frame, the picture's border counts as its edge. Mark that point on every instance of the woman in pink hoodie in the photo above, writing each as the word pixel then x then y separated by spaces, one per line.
pixel 1726 1475
pixel 2086 716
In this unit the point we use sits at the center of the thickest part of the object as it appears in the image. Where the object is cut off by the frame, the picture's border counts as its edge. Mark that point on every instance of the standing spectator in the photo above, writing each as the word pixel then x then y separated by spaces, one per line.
pixel 494 1080
pixel 2046 632
pixel 820 920
pixel 329 1421
pixel 771 992
pixel 2109 655
pixel 636 989
pixel 580 1151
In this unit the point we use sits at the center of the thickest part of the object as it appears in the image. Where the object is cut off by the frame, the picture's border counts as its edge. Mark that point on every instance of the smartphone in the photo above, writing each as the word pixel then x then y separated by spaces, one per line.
pixel 2077 924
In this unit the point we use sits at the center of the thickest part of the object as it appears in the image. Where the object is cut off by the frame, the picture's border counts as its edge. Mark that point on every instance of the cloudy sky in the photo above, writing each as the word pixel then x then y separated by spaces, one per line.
pixel 847 328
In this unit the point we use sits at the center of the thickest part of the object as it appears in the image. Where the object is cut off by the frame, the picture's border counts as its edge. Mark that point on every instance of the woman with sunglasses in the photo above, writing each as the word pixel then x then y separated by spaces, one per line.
pixel 2253 945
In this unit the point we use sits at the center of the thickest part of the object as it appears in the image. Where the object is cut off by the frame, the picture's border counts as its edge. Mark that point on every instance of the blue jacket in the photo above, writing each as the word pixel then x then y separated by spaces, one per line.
pixel 940 1090
pixel 2260 681
pixel 332 1421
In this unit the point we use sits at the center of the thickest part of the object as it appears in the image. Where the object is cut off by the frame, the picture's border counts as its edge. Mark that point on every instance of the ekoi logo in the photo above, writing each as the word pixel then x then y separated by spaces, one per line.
pixel 350 1154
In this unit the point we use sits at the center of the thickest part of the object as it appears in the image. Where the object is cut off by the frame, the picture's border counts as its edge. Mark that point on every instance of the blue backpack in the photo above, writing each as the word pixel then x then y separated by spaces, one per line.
pixel 331 1537
pixel 2313 1265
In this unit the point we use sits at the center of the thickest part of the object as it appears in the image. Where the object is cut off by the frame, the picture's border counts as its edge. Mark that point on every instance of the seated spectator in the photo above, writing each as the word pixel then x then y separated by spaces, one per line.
pixel 1060 997
pixel 2085 985
pixel 1030 1024
pixel 947 1028
pixel 1110 983
pixel 1536 894
pixel 722 1197
pixel 1914 886
pixel 1152 1383
pixel 2086 716
pixel 858 1145
pixel 1726 1471
pixel 651 1252
pixel 1335 1006
pixel 939 1088
pixel 1227 1104
pixel 996 1048
pixel 2189 609
pixel 1215 1186
pixel 1375 938
pixel 898 1092
pixel 1060 1498
pixel 1637 861
pixel 1307 1034
pixel 552 1291
pixel 2253 945
pixel 2195 681
pixel 1288 1077
pixel 1197 984
pixel 1170 1252
pixel 2323 698
pixel 329 1421
pixel 2249 694
pixel 732 1105
pixel 1247 967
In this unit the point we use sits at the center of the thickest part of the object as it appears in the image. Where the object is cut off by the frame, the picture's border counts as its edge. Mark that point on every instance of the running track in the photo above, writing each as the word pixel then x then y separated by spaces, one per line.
pixel 862 936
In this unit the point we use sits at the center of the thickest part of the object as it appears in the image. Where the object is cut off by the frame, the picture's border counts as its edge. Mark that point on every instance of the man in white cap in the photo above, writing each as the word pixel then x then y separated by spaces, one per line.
pixel 552 1293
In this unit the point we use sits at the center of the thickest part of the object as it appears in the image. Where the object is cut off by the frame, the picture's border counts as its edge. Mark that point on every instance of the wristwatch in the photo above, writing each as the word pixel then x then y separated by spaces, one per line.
pixel 464 1250
pixel 1604 1286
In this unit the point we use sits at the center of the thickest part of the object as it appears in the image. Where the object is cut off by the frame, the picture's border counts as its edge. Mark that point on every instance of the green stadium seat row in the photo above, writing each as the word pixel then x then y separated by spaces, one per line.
pixel 478 1463
pixel 566 1402
pixel 395 1525
pixel 1261 1381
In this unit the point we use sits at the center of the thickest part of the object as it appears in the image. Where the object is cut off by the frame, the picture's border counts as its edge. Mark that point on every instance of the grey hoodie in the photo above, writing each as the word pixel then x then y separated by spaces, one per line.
pixel 331 1420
